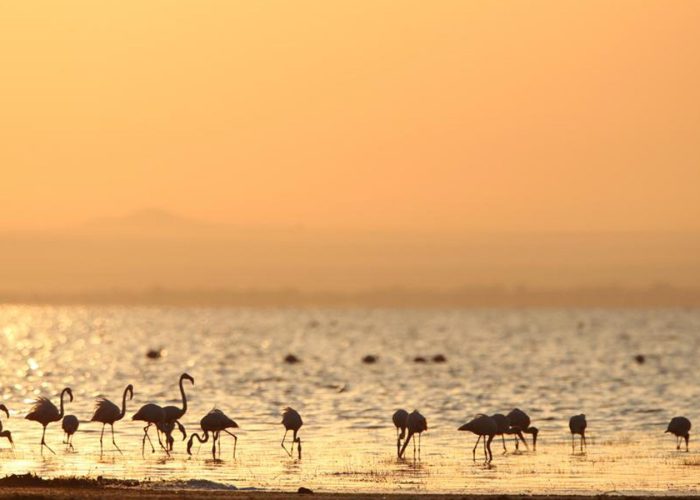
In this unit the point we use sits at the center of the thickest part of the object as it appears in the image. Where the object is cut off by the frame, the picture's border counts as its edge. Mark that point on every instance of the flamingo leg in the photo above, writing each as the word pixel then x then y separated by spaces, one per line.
pixel 146 436
pixel 213 446
pixel 160 442
pixel 573 445
pixel 235 441
pixel 474 449
pixel 102 435
pixel 43 442
pixel 519 434
pixel 299 447
pixel 503 438
pixel 398 441
pixel 113 441
pixel 283 438
pixel 488 445
pixel 687 438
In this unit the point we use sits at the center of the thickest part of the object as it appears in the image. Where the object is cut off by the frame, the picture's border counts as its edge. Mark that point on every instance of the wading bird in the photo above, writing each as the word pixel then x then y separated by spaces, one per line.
pixel 152 414
pixel 292 422
pixel 519 424
pixel 415 424
pixel 399 417
pixel 70 425
pixel 484 427
pixel 45 412
pixel 215 422
pixel 173 414
pixel 6 434
pixel 577 425
pixel 680 427
pixel 107 413
pixel 502 426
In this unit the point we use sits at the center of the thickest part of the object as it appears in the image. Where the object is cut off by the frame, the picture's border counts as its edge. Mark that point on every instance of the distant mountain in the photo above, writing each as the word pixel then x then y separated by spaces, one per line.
pixel 143 222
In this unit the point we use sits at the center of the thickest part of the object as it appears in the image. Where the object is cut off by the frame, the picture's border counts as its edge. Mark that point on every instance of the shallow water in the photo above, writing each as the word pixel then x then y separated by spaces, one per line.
pixel 551 363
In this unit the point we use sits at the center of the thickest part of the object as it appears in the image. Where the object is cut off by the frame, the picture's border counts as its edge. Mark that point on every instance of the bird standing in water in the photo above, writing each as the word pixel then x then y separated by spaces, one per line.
pixel 292 422
pixel 45 412
pixel 680 427
pixel 6 434
pixel 107 412
pixel 484 427
pixel 215 422
pixel 70 426
pixel 173 414
pixel 415 424
pixel 577 425
pixel 502 426
pixel 399 418
pixel 152 414
pixel 519 424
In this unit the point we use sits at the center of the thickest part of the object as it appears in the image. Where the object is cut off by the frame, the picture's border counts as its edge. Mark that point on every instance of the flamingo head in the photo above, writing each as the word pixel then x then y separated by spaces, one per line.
pixel 187 376
pixel 130 390
pixel 69 392
pixel 4 408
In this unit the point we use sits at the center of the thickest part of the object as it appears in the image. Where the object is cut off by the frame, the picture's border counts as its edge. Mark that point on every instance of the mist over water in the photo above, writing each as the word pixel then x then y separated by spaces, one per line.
pixel 551 363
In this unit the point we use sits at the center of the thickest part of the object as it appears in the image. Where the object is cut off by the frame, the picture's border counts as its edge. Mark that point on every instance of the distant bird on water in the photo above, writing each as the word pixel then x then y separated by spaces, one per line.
pixel 577 425
pixel 215 422
pixel 6 434
pixel 70 426
pixel 399 418
pixel 415 424
pixel 502 426
pixel 173 413
pixel 107 413
pixel 45 412
pixel 292 422
pixel 484 427
pixel 152 414
pixel 519 424
pixel 680 427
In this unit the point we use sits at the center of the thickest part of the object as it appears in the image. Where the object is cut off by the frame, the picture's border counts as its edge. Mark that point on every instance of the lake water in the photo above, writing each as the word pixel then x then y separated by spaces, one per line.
pixel 550 363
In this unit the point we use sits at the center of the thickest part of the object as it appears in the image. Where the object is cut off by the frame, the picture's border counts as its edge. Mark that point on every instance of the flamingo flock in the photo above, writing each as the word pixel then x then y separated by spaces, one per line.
pixel 409 426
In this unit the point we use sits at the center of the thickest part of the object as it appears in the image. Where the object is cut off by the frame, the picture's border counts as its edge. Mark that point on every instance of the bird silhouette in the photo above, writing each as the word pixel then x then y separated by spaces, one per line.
pixel 45 412
pixel 6 434
pixel 415 424
pixel 680 427
pixel 292 422
pixel 215 422
pixel 577 425
pixel 107 413
pixel 70 426
pixel 399 418
pixel 519 424
pixel 502 426
pixel 173 413
pixel 484 427
pixel 152 414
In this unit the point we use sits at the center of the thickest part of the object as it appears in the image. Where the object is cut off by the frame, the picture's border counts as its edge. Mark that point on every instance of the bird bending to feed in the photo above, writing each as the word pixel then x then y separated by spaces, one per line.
pixel 484 427
pixel 152 414
pixel 107 412
pixel 292 422
pixel 45 412
pixel 519 424
pixel 215 422
pixel 577 425
pixel 502 426
pixel 680 427
pixel 6 434
pixel 399 418
pixel 415 424
pixel 70 425
pixel 173 413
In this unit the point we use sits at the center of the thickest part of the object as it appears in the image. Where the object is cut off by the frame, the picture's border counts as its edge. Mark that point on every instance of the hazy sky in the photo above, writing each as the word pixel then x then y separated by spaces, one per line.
pixel 365 114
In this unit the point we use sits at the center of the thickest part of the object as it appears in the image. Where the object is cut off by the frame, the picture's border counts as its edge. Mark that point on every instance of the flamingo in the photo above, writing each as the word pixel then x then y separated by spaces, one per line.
pixel 502 424
pixel 292 422
pixel 577 425
pixel 70 425
pixel 107 412
pixel 45 412
pixel 173 413
pixel 519 424
pixel 6 434
pixel 680 427
pixel 483 426
pixel 416 424
pixel 151 414
pixel 399 417
pixel 215 422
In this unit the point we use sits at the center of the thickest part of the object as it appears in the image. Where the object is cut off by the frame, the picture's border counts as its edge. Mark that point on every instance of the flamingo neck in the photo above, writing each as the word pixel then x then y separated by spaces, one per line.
pixel 184 398
pixel 121 415
pixel 60 412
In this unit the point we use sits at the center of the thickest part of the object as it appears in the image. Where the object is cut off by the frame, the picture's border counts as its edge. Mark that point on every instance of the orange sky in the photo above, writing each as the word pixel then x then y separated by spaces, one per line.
pixel 445 115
